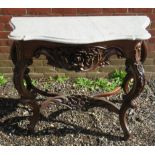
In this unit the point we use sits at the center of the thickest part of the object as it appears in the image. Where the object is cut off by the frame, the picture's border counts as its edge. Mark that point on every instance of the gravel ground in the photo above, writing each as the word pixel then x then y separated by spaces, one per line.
pixel 96 127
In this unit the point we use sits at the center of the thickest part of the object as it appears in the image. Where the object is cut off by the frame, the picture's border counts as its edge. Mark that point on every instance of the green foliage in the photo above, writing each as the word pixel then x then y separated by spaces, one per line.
pixel 34 82
pixel 101 83
pixel 105 84
pixel 61 79
pixel 83 82
pixel 3 80
pixel 118 76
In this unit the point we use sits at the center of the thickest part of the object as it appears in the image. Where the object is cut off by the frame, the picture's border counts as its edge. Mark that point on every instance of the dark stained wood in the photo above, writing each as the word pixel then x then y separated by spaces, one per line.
pixel 80 58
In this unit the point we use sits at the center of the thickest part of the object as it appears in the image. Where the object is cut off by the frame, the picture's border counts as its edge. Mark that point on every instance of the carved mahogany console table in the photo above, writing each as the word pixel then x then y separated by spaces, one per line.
pixel 80 44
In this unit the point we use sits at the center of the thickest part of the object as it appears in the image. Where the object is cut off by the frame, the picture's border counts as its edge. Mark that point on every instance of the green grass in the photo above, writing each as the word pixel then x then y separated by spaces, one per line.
pixel 3 80
pixel 34 82
pixel 100 83
pixel 117 76
pixel 82 82
pixel 106 84
pixel 61 79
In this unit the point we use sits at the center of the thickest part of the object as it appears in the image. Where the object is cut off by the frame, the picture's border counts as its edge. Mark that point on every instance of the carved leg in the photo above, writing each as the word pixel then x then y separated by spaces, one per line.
pixel 23 82
pixel 135 71
pixel 36 113
pixel 27 97
pixel 123 120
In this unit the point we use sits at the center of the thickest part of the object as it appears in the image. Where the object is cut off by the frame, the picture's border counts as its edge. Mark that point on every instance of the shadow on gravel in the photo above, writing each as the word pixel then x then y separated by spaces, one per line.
pixel 10 125
pixel 7 106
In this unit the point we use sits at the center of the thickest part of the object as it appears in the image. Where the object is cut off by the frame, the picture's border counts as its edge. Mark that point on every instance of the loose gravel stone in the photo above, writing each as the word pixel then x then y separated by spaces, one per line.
pixel 59 126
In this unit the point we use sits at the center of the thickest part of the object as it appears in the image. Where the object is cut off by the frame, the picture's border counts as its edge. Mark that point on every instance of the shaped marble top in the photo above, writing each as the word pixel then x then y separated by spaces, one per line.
pixel 81 29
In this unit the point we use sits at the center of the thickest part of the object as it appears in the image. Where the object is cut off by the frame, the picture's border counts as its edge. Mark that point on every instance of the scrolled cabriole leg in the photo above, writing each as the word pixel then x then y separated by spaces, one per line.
pixel 27 97
pixel 135 75
pixel 123 120
pixel 24 88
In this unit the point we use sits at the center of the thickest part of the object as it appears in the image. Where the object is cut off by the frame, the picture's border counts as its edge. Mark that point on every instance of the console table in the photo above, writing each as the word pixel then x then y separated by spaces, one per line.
pixel 80 44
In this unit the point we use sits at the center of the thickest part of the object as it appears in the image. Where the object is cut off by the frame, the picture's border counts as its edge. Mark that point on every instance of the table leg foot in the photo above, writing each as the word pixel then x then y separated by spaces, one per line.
pixel 35 110
pixel 123 121
pixel 35 117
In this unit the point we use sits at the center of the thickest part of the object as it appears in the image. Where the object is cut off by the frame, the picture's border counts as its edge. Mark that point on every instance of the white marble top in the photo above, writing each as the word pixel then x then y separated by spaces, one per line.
pixel 80 30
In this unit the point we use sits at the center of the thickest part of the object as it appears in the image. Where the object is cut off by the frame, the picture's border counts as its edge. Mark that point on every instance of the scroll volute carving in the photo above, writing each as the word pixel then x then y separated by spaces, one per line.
pixel 79 58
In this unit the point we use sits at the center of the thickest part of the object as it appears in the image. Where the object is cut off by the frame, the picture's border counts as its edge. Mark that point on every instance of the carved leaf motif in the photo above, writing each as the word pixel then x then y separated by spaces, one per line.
pixel 82 58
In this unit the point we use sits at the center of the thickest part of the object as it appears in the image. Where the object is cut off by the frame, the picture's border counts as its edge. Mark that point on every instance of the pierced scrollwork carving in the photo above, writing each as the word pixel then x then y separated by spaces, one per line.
pixel 108 52
pixel 80 102
pixel 78 58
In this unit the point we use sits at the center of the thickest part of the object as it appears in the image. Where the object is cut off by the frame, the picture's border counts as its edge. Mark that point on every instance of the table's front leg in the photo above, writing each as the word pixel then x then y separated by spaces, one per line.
pixel 22 82
pixel 133 85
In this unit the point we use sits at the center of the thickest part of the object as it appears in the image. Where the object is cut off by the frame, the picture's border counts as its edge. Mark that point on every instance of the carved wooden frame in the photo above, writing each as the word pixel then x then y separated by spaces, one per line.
pixel 80 58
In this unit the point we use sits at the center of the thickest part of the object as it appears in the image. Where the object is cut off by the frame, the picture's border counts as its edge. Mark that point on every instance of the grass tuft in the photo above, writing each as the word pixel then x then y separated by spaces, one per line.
pixel 3 80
